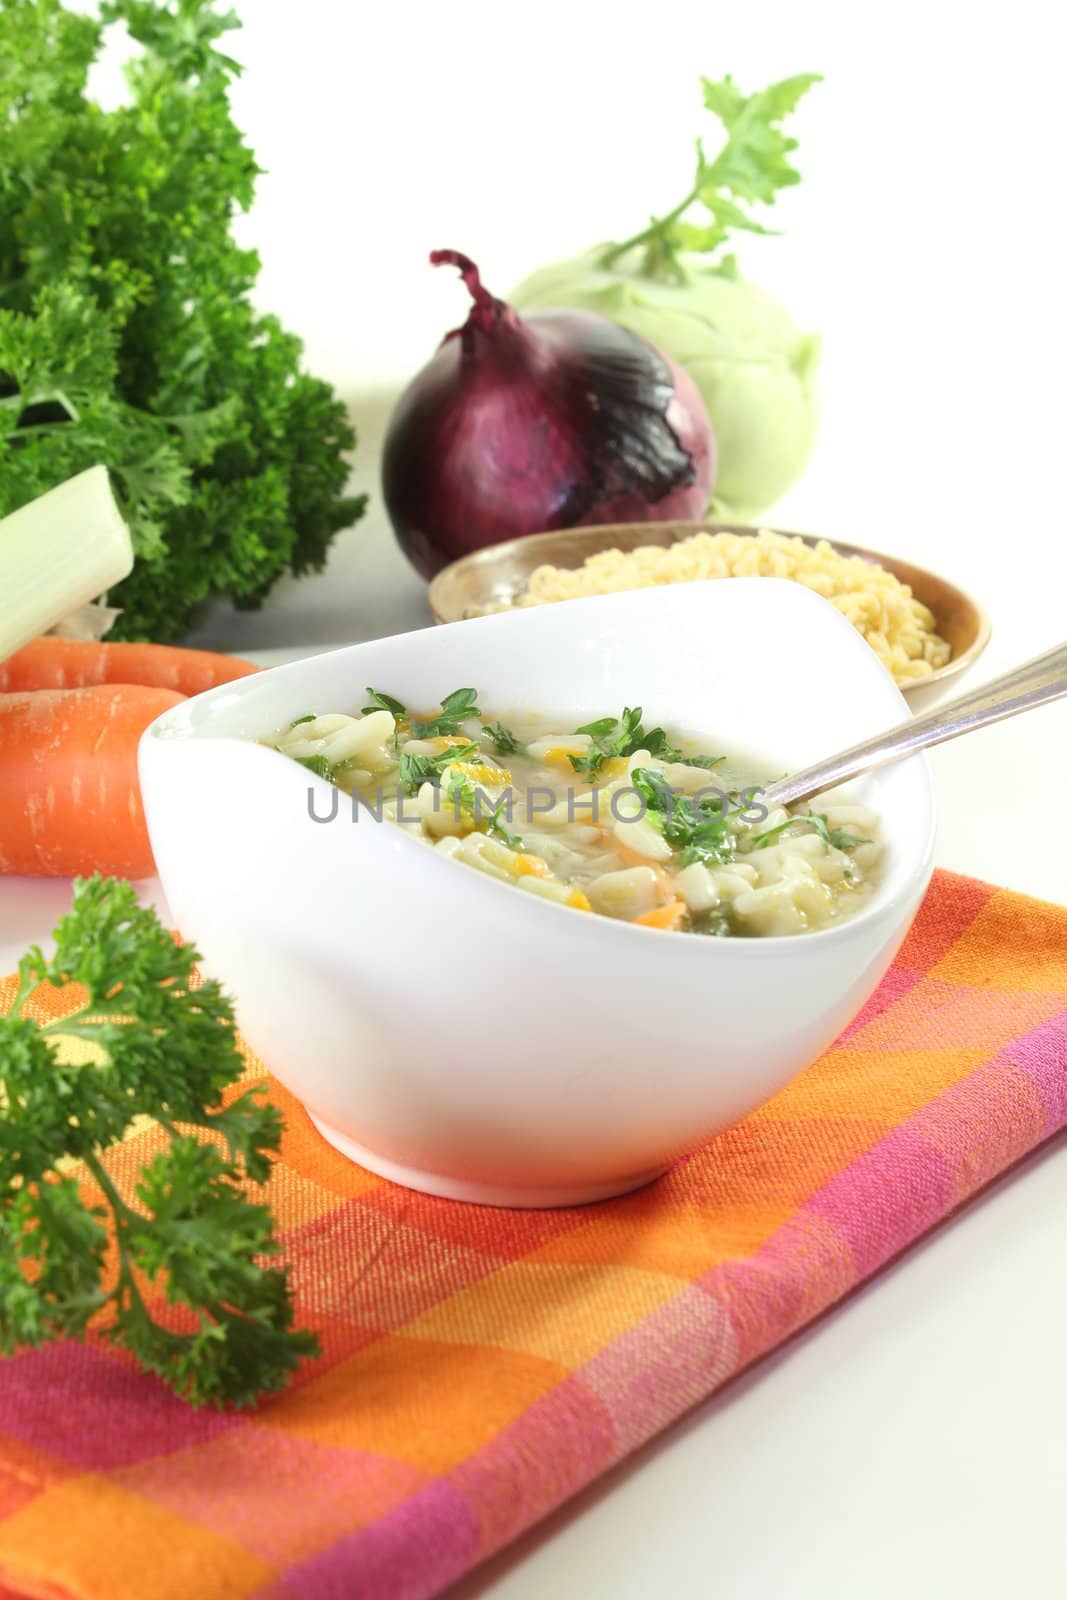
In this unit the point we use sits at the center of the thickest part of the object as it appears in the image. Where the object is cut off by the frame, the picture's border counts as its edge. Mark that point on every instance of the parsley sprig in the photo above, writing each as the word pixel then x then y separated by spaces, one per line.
pixel 385 702
pixel 618 736
pixel 146 1042
pixel 699 829
pixel 838 838
pixel 416 770
pixel 624 736
pixel 504 741
pixel 317 764
pixel 456 707
pixel 611 736
pixel 752 165
pixel 489 819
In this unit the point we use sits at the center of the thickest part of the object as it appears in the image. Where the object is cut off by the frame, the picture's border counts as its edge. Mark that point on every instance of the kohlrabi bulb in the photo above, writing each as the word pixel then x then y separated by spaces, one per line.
pixel 756 371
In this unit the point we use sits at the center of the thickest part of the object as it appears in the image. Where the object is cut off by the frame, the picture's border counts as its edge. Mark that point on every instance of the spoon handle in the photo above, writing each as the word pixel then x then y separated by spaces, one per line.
pixel 1034 684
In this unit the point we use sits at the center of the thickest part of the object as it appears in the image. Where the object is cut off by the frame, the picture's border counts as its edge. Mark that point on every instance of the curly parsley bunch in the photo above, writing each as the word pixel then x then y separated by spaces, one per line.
pixel 127 331
pixel 145 1043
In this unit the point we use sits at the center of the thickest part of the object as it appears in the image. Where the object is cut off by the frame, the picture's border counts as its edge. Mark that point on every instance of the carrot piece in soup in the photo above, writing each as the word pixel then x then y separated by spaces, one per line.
pixel 669 916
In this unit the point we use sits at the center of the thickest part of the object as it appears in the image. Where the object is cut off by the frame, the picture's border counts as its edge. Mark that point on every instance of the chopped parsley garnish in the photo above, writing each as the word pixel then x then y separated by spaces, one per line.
pixel 416 770
pixel 839 838
pixel 707 762
pixel 503 739
pixel 498 828
pixel 698 828
pixel 611 736
pixel 657 744
pixel 385 702
pixel 318 765
pixel 614 736
pixel 624 736
pixel 456 707
pixel 605 727
pixel 762 840
pixel 467 799
pixel 298 722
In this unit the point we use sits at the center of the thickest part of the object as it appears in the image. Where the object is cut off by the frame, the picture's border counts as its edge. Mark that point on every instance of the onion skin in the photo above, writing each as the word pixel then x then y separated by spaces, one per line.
pixel 561 419
pixel 686 414
pixel 757 372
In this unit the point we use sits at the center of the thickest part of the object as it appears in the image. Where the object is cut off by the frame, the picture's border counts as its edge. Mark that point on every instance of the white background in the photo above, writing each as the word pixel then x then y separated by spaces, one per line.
pixel 916 1441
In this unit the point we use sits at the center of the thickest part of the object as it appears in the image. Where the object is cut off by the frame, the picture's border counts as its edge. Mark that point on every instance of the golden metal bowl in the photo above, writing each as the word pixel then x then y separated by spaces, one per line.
pixel 501 572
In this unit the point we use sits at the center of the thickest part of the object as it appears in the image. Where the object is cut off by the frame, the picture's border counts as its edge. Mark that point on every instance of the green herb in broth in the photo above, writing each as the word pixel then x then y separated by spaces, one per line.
pixel 608 727
pixel 471 804
pixel 699 829
pixel 772 835
pixel 710 844
pixel 624 736
pixel 298 722
pixel 837 838
pixel 611 736
pixel 456 707
pixel 657 744
pixel 706 762
pixel 497 827
pixel 385 702
pixel 416 770
pixel 318 765
pixel 504 741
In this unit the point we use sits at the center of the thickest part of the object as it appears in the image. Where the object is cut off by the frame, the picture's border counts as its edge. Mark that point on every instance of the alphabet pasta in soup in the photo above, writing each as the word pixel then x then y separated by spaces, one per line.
pixel 612 818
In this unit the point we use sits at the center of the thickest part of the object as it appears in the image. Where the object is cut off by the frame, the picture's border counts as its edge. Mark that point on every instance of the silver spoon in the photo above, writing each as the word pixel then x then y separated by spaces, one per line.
pixel 1034 684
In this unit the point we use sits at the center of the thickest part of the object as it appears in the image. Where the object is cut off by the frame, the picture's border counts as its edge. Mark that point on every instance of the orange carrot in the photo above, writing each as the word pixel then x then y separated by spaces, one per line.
pixel 50 663
pixel 70 801
pixel 672 915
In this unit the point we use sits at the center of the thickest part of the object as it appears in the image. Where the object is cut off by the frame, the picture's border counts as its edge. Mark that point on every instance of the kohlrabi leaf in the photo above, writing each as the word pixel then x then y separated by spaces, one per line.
pixel 748 169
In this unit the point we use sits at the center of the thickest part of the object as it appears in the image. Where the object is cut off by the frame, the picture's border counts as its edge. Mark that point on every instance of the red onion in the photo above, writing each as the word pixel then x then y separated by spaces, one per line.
pixel 521 425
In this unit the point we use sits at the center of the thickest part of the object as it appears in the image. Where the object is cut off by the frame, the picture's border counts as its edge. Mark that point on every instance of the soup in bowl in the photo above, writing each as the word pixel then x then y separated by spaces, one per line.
pixel 478 984
pixel 611 817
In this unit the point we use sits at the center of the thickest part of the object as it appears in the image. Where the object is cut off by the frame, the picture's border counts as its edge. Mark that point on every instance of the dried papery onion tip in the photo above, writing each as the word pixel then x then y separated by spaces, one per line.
pixel 522 425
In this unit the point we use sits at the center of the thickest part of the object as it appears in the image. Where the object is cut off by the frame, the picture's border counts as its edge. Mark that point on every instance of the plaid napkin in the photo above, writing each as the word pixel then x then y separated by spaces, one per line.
pixel 480 1366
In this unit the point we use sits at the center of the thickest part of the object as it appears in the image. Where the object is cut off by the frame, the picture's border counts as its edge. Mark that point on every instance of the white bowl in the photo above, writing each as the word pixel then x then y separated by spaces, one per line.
pixel 456 1035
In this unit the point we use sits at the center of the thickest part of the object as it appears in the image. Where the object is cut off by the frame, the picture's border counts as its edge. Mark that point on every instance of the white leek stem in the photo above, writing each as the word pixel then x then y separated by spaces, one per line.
pixel 58 553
